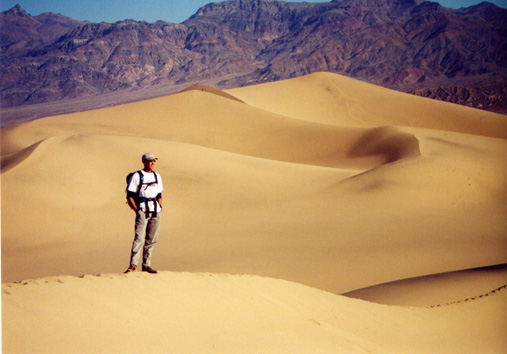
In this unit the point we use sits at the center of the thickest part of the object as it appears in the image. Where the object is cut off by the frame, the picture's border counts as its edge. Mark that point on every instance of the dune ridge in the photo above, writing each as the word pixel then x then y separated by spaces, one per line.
pixel 234 128
pixel 460 286
pixel 316 186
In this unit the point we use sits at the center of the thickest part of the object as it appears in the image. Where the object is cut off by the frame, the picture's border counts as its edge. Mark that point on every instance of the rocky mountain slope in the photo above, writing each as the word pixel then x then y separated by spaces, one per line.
pixel 409 45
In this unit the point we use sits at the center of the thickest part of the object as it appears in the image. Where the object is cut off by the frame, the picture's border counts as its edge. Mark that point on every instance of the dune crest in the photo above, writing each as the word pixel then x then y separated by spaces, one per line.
pixel 211 89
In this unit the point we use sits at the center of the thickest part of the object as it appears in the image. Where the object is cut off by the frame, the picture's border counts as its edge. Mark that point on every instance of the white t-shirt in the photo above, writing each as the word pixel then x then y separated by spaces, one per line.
pixel 147 190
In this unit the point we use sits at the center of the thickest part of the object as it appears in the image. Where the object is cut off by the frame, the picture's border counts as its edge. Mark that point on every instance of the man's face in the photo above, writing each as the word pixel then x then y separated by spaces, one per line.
pixel 148 165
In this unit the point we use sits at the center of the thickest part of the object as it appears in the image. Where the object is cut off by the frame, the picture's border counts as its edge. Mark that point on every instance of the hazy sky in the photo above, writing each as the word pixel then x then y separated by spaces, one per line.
pixel 174 11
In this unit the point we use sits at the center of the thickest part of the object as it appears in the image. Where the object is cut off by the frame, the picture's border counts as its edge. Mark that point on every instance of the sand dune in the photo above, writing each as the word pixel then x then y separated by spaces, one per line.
pixel 325 182
pixel 343 101
pixel 202 313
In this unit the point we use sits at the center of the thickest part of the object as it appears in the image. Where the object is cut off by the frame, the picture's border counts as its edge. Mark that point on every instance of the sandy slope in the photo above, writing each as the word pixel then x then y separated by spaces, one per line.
pixel 321 180
pixel 203 313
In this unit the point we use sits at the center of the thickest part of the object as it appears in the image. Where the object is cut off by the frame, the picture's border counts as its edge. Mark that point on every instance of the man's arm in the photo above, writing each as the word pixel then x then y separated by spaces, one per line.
pixel 159 199
pixel 131 202
pixel 131 191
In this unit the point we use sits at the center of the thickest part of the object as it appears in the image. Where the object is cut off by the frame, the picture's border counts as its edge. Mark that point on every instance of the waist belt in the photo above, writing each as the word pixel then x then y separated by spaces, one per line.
pixel 147 209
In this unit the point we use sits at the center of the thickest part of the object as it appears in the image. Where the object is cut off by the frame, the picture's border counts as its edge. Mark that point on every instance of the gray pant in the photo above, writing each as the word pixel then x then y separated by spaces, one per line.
pixel 145 237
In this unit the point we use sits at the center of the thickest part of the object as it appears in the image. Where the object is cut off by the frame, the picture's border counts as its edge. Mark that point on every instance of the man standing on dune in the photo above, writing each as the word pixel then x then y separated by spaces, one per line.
pixel 144 196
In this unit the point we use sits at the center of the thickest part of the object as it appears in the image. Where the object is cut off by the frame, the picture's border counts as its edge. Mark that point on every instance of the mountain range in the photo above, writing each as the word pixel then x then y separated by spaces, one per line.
pixel 413 46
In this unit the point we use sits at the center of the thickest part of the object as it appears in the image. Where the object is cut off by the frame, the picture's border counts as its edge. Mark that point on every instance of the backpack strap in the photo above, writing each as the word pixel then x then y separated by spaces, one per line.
pixel 146 200
pixel 141 178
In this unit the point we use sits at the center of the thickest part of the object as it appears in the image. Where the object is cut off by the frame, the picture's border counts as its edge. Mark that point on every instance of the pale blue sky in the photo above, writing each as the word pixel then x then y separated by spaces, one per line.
pixel 174 11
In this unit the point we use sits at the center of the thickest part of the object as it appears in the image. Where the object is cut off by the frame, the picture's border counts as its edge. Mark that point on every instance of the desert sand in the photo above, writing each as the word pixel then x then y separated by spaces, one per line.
pixel 279 199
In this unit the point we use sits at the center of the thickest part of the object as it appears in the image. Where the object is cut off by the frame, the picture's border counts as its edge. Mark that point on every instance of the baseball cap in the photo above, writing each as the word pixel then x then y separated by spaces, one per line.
pixel 149 157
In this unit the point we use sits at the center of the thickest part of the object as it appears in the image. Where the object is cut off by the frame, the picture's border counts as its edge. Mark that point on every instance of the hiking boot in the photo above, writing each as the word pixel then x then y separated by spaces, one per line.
pixel 149 269
pixel 132 268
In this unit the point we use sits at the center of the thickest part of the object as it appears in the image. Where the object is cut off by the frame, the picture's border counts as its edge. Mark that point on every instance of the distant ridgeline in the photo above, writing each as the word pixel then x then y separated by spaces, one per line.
pixel 413 46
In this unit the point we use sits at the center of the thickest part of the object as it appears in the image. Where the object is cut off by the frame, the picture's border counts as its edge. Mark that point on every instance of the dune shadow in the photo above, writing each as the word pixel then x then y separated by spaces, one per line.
pixel 386 143
pixel 10 161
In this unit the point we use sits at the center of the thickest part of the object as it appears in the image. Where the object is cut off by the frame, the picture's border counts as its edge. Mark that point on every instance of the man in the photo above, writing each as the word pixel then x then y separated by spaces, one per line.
pixel 144 196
